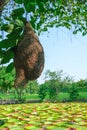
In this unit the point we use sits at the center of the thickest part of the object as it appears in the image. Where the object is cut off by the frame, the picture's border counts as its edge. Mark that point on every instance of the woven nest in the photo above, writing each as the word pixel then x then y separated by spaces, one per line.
pixel 28 57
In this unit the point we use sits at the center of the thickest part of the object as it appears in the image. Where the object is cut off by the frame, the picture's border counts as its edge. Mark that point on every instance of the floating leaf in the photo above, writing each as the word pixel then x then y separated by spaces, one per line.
pixel 45 117
pixel 2 122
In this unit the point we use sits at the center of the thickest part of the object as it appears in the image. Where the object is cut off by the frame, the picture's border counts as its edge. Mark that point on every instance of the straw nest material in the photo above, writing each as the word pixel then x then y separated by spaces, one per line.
pixel 28 57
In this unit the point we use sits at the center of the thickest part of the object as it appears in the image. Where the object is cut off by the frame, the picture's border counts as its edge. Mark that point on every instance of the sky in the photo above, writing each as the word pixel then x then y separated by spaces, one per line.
pixel 65 51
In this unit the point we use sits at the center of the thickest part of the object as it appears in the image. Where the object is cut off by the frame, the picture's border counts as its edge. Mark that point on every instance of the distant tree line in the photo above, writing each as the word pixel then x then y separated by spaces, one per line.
pixel 54 83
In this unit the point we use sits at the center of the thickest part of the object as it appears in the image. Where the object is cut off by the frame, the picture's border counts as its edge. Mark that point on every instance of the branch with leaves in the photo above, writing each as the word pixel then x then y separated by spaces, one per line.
pixel 42 15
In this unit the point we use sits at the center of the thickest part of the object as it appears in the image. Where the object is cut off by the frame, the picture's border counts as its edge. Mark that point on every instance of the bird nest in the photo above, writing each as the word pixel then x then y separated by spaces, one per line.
pixel 28 57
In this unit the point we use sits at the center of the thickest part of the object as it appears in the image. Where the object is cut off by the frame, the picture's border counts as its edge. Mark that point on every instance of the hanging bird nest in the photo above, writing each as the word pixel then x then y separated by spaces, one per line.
pixel 28 57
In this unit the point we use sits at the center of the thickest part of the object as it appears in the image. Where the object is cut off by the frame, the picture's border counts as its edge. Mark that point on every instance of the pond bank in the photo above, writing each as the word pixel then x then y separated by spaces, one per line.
pixel 12 101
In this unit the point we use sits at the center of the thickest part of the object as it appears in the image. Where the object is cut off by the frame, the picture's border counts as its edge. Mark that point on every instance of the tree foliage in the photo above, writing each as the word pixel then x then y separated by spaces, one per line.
pixel 74 93
pixel 55 82
pixel 32 87
pixel 6 80
pixel 71 14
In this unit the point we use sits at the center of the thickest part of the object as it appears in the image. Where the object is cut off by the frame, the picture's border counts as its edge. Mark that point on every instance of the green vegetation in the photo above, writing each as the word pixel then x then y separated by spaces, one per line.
pixel 57 87
pixel 42 15
pixel 62 97
pixel 25 96
pixel 59 110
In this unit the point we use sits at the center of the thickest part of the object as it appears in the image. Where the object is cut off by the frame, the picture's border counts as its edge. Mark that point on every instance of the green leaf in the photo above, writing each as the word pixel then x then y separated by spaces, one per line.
pixel 7 18
pixel 8 43
pixel 45 29
pixel 30 6
pixel 19 22
pixel 2 52
pixel 41 7
pixel 7 27
pixel 75 32
pixel 15 34
pixel 19 1
pixel 17 13
pixel 84 33
pixel 2 122
pixel 10 67
pixel 8 55
pixel 0 36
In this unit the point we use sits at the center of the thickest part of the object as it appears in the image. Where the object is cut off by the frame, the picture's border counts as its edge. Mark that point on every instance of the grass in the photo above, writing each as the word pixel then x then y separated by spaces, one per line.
pixel 61 96
pixel 26 96
pixel 65 96
pixel 83 95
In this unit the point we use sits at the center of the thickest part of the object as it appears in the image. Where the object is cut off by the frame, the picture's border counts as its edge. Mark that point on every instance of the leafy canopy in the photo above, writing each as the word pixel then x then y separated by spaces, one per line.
pixel 43 14
pixel 6 80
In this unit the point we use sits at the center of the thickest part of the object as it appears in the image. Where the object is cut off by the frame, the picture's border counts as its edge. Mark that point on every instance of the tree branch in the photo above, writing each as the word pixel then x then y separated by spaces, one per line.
pixel 2 4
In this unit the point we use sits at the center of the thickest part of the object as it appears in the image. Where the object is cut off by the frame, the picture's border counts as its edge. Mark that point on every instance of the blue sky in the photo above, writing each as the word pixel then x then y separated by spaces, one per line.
pixel 65 51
